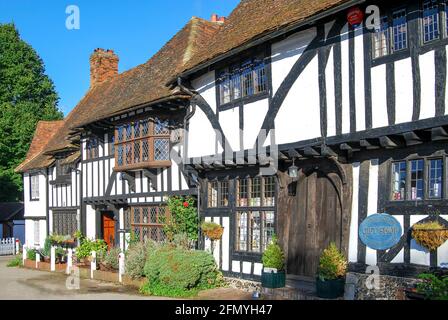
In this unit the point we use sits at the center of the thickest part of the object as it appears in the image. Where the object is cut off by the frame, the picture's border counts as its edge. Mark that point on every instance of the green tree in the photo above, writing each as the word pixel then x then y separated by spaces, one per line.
pixel 27 95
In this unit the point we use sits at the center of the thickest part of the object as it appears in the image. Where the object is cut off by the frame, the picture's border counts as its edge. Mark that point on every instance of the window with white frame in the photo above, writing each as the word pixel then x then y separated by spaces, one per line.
pixel 34 187
pixel 434 22
pixel 418 179
pixel 391 35
pixel 430 20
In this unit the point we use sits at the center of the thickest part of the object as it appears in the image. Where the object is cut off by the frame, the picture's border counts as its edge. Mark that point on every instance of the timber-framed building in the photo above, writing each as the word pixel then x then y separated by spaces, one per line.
pixel 359 111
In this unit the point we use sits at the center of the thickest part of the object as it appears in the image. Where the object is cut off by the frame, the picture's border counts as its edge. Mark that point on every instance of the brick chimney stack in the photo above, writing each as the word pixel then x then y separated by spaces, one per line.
pixel 217 19
pixel 103 66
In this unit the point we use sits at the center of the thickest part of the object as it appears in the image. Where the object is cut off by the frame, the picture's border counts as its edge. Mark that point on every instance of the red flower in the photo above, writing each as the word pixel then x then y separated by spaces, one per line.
pixel 186 204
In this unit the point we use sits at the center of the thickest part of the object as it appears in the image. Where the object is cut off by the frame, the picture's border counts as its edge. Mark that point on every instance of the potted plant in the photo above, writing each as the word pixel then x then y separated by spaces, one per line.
pixel 273 274
pixel 213 232
pixel 430 235
pixel 330 281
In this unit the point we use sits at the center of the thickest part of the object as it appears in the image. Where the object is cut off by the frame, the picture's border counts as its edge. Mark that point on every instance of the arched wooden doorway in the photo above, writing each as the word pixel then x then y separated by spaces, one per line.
pixel 317 214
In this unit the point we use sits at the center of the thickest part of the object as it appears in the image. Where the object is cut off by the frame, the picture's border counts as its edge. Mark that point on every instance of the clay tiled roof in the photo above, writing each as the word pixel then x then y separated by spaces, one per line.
pixel 252 19
pixel 45 130
pixel 141 85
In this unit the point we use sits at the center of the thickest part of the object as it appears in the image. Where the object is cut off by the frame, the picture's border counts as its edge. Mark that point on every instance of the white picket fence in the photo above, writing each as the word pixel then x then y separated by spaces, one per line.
pixel 7 246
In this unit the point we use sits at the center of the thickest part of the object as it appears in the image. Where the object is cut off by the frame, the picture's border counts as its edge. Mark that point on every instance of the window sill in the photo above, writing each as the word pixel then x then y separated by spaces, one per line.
pixel 433 44
pixel 245 100
pixel 144 165
pixel 34 200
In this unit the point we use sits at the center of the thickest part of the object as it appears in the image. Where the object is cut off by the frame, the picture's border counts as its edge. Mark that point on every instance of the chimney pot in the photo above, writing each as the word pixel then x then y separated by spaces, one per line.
pixel 103 66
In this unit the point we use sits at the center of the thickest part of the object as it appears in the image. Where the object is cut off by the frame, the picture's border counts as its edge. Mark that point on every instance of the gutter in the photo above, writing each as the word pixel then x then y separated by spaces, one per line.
pixel 309 21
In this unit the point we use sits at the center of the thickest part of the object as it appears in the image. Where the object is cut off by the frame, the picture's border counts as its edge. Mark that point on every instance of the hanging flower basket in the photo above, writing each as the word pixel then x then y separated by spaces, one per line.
pixel 212 231
pixel 430 235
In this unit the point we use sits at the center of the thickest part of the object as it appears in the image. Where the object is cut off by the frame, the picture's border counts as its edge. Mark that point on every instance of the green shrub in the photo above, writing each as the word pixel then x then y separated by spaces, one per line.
pixel 136 258
pixel 111 258
pixel 16 262
pixel 433 287
pixel 31 254
pixel 273 256
pixel 174 271
pixel 332 264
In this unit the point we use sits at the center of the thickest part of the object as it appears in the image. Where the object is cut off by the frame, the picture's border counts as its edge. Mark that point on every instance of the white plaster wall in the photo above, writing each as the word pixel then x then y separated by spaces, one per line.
pixel 299 117
pixel 35 208
pixel 345 80
pixel 359 80
pixel 372 205
pixel 254 115
pixel 427 80
pixel 331 107
pixel 90 222
pixel 201 135
pixel 205 85
pixel 226 244
pixel 286 52
pixel 353 240
pixel 403 91
pixel 379 100
pixel 230 123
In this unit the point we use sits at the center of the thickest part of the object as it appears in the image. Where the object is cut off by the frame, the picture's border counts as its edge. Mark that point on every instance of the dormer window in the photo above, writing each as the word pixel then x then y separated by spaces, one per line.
pixel 142 143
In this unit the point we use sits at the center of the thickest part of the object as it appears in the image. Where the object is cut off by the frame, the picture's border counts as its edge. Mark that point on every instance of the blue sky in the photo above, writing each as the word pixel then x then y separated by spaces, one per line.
pixel 134 29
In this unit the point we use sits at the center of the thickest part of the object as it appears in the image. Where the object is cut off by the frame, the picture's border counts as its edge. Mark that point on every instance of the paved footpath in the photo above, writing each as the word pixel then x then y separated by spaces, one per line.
pixel 26 284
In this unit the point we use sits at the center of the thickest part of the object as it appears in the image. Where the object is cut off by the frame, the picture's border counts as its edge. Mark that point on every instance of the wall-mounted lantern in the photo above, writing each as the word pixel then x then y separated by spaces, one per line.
pixel 293 171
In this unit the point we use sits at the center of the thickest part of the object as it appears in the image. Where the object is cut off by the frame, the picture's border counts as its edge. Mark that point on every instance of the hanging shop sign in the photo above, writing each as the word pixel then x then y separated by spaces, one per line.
pixel 380 231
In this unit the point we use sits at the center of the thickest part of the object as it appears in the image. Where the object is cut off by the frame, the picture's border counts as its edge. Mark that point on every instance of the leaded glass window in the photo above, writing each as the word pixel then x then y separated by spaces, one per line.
pixel 255 230
pixel 65 222
pixel 255 192
pixel 244 80
pixel 143 142
pixel 147 222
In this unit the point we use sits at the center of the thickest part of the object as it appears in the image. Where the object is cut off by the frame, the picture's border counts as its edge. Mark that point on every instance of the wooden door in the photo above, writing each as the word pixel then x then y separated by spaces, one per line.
pixel 108 224
pixel 316 220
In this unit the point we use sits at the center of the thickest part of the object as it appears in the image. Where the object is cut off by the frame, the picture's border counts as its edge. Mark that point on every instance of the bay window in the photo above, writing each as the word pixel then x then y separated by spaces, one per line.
pixel 142 143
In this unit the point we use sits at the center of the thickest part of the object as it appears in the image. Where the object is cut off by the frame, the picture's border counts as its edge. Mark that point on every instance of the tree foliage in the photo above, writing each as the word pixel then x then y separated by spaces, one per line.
pixel 27 95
